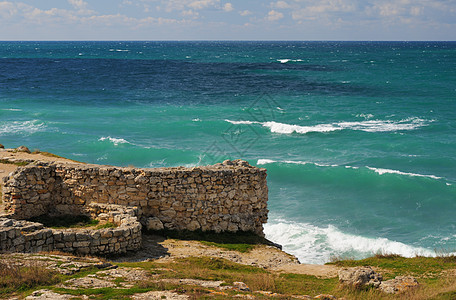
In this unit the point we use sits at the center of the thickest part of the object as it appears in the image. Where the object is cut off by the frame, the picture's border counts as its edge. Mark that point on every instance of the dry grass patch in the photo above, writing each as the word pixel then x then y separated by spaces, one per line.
pixel 17 278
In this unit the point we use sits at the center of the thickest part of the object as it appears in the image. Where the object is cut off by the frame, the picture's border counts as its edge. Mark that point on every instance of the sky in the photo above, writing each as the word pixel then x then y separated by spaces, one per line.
pixel 404 20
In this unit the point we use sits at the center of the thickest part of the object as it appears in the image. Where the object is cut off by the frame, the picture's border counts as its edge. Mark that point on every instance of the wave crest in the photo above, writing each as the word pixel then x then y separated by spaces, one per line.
pixel 115 141
pixel 316 245
pixel 367 126
pixel 27 127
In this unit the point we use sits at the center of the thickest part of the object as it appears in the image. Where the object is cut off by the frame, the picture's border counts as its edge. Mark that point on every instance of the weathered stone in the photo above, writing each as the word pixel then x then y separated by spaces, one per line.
pixel 225 197
pixel 193 225
pixel 154 223
pixel 359 277
pixel 241 286
pixel 23 149
pixel 398 285
pixel 325 297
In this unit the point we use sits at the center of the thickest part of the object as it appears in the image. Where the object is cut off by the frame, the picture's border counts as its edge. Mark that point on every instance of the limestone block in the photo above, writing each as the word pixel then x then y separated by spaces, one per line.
pixel 398 285
pixel 193 225
pixel 359 277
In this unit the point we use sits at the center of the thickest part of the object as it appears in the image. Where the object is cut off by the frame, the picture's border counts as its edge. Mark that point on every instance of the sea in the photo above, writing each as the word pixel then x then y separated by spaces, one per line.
pixel 358 138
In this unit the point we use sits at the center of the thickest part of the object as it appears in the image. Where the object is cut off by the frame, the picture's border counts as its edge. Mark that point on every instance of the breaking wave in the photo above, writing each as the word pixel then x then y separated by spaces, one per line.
pixel 367 126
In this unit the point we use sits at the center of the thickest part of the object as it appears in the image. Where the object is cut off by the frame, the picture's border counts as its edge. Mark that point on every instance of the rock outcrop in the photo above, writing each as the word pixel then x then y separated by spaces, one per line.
pixel 360 277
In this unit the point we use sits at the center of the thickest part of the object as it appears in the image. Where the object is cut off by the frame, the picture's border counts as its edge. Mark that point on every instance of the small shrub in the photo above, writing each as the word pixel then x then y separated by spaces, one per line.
pixel 19 164
pixel 67 221
pixel 106 225
pixel 14 278
pixel 233 247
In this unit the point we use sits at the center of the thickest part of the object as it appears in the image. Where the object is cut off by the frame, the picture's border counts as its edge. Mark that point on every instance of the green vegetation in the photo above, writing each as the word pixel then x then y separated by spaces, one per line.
pixel 397 265
pixel 48 154
pixel 67 221
pixel 243 248
pixel 20 280
pixel 258 279
pixel 239 241
pixel 36 151
pixel 19 163
pixel 17 278
pixel 106 225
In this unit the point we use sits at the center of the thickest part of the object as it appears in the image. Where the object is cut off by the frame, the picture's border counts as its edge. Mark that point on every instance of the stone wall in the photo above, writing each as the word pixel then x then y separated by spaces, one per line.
pixel 225 197
pixel 25 236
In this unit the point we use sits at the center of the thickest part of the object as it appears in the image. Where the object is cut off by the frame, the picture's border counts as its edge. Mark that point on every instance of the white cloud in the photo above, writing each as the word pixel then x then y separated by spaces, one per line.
pixel 201 4
pixel 245 13
pixel 280 5
pixel 416 11
pixel 190 13
pixel 7 9
pixel 81 7
pixel 321 9
pixel 228 7
pixel 274 15
pixel 78 4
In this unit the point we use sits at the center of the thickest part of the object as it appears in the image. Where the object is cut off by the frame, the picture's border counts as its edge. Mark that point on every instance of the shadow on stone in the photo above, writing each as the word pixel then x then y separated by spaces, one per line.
pixel 151 249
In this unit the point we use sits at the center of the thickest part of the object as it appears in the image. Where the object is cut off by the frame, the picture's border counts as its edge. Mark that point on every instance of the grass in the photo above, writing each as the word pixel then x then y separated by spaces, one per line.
pixel 398 265
pixel 20 163
pixel 243 248
pixel 16 278
pixel 258 279
pixel 67 221
pixel 239 241
pixel 106 225
pixel 48 154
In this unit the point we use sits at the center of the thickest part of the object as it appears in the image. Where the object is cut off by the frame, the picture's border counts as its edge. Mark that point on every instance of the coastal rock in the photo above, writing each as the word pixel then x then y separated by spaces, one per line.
pixel 359 277
pixel 48 294
pixel 398 285
pixel 23 149
pixel 325 297
pixel 2 147
pixel 241 286
pixel 160 295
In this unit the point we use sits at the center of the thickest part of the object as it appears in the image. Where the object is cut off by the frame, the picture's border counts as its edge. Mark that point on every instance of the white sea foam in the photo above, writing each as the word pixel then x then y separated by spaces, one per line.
pixel 27 127
pixel 388 171
pixel 365 116
pixel 367 126
pixel 287 128
pixel 380 171
pixel 285 60
pixel 12 109
pixel 383 126
pixel 316 245
pixel 265 161
pixel 242 122
pixel 115 141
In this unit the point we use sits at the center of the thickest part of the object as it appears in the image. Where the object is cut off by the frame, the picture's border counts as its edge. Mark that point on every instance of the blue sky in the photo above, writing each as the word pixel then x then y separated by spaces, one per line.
pixel 228 20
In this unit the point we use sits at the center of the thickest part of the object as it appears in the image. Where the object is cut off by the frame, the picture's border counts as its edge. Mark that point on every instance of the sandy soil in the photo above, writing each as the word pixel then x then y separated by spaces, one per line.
pixel 161 250
pixel 9 154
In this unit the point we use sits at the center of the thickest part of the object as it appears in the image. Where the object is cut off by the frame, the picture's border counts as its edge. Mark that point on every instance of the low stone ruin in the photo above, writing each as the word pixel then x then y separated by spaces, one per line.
pixel 224 197
pixel 25 236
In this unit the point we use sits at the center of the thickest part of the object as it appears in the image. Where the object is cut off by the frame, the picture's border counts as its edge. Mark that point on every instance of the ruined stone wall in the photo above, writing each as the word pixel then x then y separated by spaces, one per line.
pixel 225 197
pixel 25 236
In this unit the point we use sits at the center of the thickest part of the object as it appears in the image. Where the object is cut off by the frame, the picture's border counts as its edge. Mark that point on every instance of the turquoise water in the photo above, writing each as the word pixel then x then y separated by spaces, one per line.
pixel 358 138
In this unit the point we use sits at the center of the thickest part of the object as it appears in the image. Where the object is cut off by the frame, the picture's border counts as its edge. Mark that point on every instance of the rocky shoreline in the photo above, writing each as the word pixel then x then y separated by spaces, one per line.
pixel 167 268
